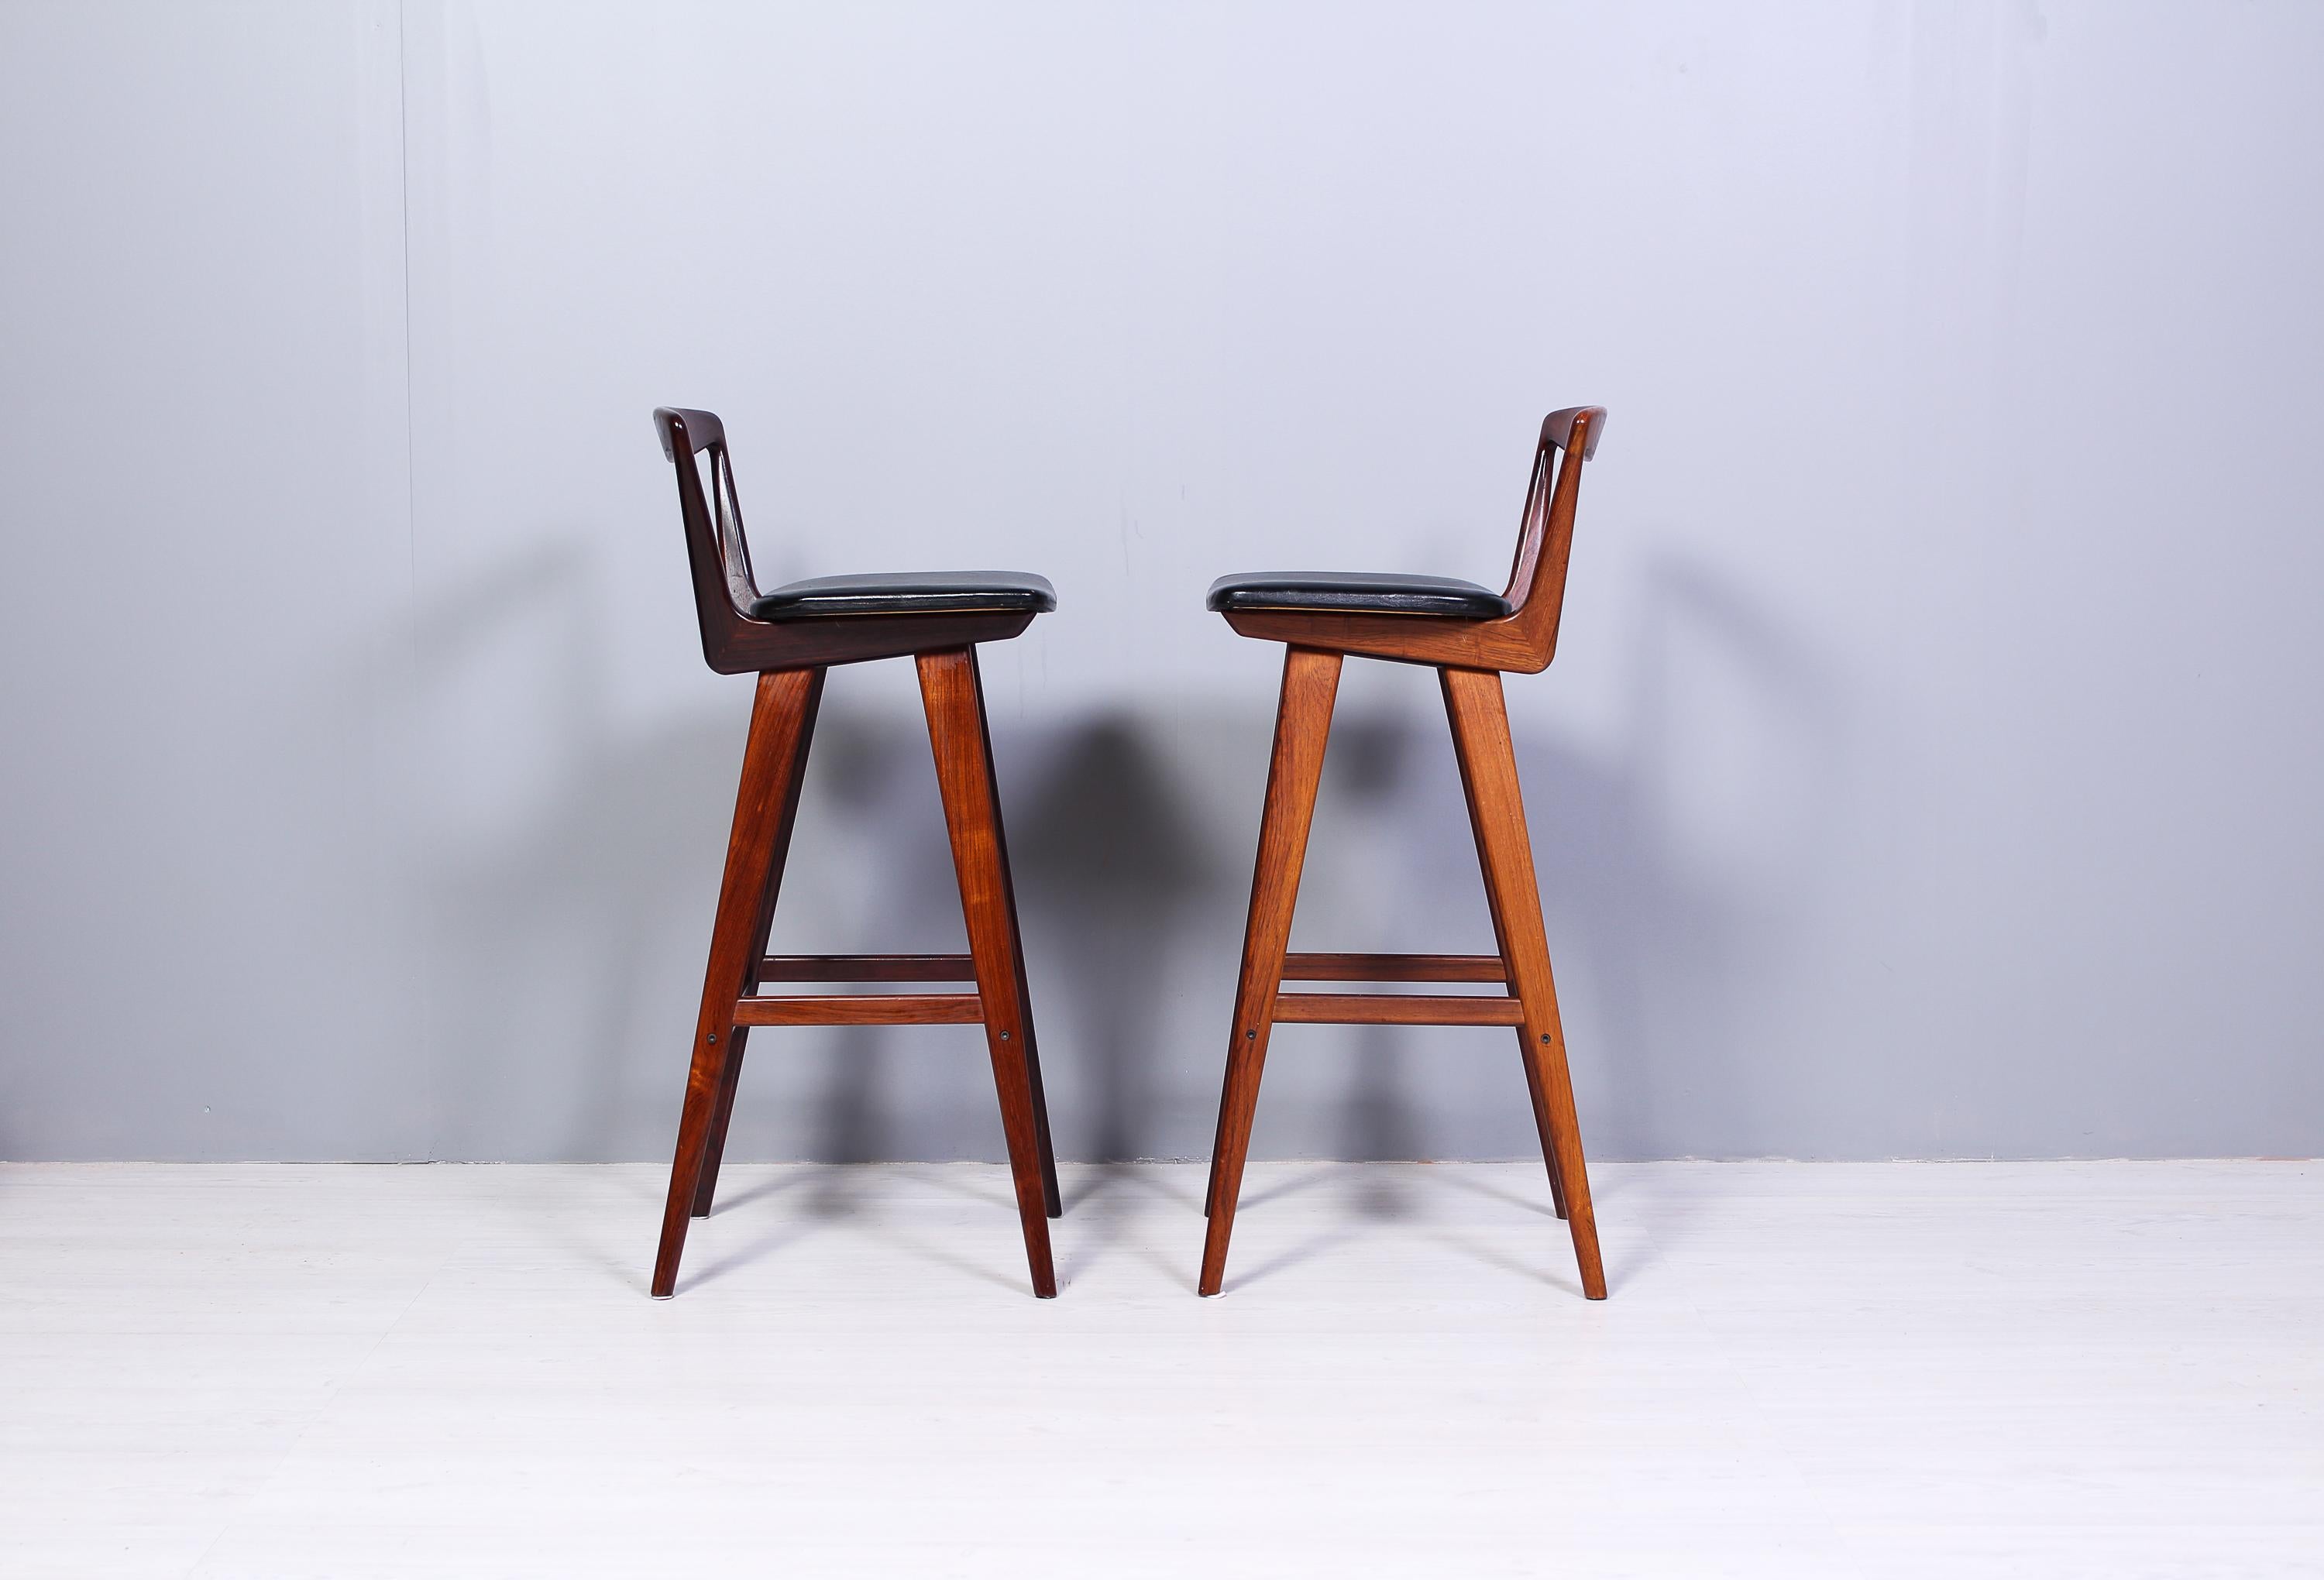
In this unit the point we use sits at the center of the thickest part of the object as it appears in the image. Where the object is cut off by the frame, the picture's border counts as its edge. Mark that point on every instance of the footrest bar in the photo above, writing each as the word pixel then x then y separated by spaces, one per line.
pixel 861 1009
pixel 867 968
pixel 1393 968
pixel 1398 1009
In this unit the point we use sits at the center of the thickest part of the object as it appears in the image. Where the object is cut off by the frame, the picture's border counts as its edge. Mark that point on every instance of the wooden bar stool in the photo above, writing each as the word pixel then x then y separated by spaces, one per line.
pixel 1471 636
pixel 790 637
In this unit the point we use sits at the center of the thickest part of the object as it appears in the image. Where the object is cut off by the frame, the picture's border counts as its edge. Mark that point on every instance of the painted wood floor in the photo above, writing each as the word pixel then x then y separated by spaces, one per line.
pixel 2051 1370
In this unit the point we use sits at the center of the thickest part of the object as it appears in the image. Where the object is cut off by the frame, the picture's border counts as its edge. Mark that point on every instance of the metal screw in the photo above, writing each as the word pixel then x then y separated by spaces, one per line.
pixel 1247 1036
pixel 1545 1036
pixel 1004 1036
pixel 714 1036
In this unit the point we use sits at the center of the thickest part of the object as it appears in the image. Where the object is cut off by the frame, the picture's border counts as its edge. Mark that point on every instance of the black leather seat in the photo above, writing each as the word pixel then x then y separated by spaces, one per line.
pixel 1356 592
pixel 926 593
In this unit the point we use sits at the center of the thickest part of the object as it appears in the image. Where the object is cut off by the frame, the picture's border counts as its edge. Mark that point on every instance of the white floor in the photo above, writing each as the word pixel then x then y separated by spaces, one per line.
pixel 2049 1369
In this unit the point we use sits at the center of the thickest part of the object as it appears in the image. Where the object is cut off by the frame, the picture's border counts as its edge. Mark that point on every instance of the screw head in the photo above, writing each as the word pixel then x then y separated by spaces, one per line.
pixel 1251 1036
pixel 1545 1036
pixel 714 1036
pixel 1004 1036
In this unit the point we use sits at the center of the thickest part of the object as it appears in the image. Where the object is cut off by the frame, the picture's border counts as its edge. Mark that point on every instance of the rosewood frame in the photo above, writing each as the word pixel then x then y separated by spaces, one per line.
pixel 1470 658
pixel 792 658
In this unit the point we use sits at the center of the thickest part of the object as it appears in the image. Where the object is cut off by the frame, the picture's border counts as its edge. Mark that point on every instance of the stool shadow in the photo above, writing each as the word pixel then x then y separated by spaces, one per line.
pixel 549 881
pixel 1377 1197
pixel 1101 1200
pixel 1668 949
pixel 1108 863
pixel 847 1194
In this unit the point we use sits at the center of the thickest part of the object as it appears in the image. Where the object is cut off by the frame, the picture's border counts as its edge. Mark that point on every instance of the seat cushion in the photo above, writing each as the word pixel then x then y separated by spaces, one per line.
pixel 926 592
pixel 1356 593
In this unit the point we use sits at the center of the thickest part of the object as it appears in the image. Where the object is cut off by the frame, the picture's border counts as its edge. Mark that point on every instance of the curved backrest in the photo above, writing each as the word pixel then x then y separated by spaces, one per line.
pixel 716 546
pixel 1536 589
pixel 735 641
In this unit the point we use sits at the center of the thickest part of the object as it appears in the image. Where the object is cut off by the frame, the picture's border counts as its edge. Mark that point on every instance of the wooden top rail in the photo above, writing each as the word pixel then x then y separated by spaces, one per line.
pixel 868 968
pixel 1393 968
pixel 1398 1009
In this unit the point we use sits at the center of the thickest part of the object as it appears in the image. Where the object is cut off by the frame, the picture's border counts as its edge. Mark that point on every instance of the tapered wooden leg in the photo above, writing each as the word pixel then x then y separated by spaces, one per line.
pixel 782 718
pixel 722 1114
pixel 1303 726
pixel 949 690
pixel 1053 1201
pixel 1543 1129
pixel 715 1149
pixel 1480 733
pixel 1228 1087
pixel 1526 1043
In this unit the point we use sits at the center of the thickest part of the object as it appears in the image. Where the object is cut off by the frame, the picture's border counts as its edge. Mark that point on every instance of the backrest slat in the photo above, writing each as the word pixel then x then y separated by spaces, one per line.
pixel 717 550
pixel 1536 589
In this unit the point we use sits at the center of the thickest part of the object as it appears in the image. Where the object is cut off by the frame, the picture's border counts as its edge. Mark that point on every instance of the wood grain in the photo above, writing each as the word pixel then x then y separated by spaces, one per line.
pixel 1397 1009
pixel 1303 726
pixel 867 968
pixel 1393 968
pixel 951 692
pixel 1489 770
pixel 1534 1094
pixel 1052 1198
pixel 714 1152
pixel 861 1009
pixel 766 800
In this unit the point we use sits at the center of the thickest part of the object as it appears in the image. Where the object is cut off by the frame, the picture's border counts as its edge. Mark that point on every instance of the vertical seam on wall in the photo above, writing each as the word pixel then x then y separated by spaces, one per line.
pixel 425 964
pixel 403 204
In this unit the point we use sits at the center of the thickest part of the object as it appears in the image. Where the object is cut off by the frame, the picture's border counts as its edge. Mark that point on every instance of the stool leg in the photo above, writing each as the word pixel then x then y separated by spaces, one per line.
pixel 1050 1198
pixel 782 718
pixel 1540 1099
pixel 952 694
pixel 1257 997
pixel 738 1039
pixel 722 1114
pixel 1303 726
pixel 1480 733
pixel 1546 1131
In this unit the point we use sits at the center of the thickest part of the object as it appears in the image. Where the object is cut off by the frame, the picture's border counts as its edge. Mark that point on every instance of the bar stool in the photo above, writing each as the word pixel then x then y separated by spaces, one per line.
pixel 790 637
pixel 1471 636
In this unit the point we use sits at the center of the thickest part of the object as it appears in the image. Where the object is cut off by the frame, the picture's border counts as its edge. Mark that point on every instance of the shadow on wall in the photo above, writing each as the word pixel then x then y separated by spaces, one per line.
pixel 573 863
pixel 572 868
pixel 560 854
pixel 1390 818
pixel 1120 868
pixel 872 827
pixel 1684 861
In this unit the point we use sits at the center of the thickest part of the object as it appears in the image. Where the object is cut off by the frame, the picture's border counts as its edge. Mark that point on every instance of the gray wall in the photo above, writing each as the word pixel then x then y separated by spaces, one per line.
pixel 1930 767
